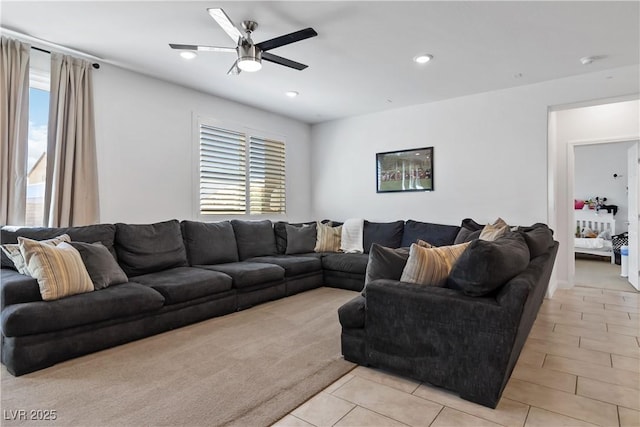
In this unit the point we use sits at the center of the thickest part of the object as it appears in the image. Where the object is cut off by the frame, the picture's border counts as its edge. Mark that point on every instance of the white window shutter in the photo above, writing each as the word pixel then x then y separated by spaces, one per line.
pixel 267 190
pixel 222 171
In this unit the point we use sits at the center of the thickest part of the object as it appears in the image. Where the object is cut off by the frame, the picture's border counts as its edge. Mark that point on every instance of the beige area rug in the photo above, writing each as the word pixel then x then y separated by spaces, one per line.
pixel 248 368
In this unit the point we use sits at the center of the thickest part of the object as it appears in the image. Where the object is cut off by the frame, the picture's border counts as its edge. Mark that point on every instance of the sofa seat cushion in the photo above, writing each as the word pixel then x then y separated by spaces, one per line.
pixel 293 265
pixel 118 301
pixel 185 283
pixel 347 263
pixel 351 314
pixel 248 274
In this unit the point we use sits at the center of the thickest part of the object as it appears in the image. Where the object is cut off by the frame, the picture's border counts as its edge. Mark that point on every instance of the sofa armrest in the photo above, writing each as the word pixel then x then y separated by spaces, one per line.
pixel 16 288
pixel 405 305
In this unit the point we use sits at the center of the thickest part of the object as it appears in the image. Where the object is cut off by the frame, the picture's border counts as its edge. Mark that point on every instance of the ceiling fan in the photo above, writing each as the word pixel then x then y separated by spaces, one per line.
pixel 250 55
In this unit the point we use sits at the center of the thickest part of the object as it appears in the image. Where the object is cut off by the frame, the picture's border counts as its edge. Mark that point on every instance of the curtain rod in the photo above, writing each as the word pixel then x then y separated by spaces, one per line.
pixel 94 64
pixel 47 46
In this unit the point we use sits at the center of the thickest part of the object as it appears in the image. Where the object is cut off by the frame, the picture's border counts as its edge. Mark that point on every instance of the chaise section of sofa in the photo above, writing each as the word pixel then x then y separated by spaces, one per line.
pixel 445 336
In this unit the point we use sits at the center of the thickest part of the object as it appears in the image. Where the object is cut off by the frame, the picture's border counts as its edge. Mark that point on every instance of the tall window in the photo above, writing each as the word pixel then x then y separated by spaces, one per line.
pixel 240 173
pixel 39 75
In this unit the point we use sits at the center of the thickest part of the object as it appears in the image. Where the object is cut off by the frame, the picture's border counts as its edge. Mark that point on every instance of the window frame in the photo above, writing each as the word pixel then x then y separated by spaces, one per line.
pixel 249 132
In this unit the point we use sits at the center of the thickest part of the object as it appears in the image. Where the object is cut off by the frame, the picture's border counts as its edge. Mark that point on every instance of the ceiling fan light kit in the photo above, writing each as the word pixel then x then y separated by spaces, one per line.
pixel 249 55
pixel 249 58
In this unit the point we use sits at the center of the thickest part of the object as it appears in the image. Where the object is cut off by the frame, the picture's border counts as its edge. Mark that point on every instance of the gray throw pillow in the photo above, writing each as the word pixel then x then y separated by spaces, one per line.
pixel 486 266
pixel 100 264
pixel 385 263
pixel 300 240
pixel 467 227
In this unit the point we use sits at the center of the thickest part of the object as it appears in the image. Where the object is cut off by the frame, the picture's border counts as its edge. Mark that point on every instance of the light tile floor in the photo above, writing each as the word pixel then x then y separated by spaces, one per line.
pixel 579 367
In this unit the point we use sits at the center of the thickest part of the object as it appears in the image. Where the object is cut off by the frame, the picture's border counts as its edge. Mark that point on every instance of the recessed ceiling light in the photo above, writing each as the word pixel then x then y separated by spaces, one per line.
pixel 292 94
pixel 188 54
pixel 423 59
pixel 586 60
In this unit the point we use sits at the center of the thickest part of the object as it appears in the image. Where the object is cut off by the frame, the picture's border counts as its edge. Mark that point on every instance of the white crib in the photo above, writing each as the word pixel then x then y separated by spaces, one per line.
pixel 598 222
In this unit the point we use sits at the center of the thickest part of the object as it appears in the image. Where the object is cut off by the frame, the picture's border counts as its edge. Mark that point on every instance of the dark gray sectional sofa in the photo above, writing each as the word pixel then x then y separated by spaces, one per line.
pixel 179 273
pixel 184 272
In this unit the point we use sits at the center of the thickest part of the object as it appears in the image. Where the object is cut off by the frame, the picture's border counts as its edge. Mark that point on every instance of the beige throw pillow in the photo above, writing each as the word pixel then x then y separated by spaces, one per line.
pixel 13 252
pixel 431 266
pixel 493 231
pixel 59 270
pixel 424 244
pixel 328 238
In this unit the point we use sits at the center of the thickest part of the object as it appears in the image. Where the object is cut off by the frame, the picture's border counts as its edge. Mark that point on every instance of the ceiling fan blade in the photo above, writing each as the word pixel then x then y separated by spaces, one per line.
pixel 234 70
pixel 266 56
pixel 225 22
pixel 201 48
pixel 287 39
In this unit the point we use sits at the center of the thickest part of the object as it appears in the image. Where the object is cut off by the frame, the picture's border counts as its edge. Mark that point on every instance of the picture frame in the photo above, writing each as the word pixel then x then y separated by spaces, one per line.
pixel 404 170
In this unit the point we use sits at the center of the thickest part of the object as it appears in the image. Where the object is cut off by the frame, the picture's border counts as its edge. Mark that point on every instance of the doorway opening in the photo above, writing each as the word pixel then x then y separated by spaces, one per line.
pixel 598 183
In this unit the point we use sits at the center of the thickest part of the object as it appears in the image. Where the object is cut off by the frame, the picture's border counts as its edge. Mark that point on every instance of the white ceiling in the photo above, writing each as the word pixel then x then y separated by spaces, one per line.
pixel 361 61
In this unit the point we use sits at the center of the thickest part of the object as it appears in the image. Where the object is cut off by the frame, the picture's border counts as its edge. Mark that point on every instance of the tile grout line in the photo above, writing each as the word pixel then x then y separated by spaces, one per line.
pixel 350 410
pixel 436 417
pixel 527 416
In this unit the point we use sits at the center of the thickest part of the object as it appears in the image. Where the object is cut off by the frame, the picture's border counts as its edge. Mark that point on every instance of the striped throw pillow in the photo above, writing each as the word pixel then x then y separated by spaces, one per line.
pixel 59 270
pixel 12 250
pixel 431 266
pixel 328 238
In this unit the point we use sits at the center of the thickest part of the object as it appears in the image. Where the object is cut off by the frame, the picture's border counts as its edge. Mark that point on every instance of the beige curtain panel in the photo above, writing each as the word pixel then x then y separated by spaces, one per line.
pixel 14 129
pixel 71 194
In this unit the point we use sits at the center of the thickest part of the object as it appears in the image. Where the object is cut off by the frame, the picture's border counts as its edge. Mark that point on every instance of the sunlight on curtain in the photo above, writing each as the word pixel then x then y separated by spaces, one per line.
pixel 14 129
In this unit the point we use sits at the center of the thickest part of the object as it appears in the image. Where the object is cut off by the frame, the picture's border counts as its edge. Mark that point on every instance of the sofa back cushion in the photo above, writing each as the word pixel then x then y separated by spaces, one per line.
pixel 209 243
pixel 387 234
pixel 254 238
pixel 103 233
pixel 539 238
pixel 486 266
pixel 147 248
pixel 436 234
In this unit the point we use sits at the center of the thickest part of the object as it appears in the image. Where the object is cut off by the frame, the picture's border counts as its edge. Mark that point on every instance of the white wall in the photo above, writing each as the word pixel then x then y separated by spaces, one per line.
pixel 575 126
pixel 144 141
pixel 491 154
pixel 595 166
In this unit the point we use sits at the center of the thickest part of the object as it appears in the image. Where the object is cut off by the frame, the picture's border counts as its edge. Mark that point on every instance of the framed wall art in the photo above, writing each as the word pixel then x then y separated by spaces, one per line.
pixel 405 170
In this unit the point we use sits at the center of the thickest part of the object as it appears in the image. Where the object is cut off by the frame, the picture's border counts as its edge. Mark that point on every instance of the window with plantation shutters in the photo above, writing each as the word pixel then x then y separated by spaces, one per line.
pixel 240 173
pixel 223 176
pixel 266 176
